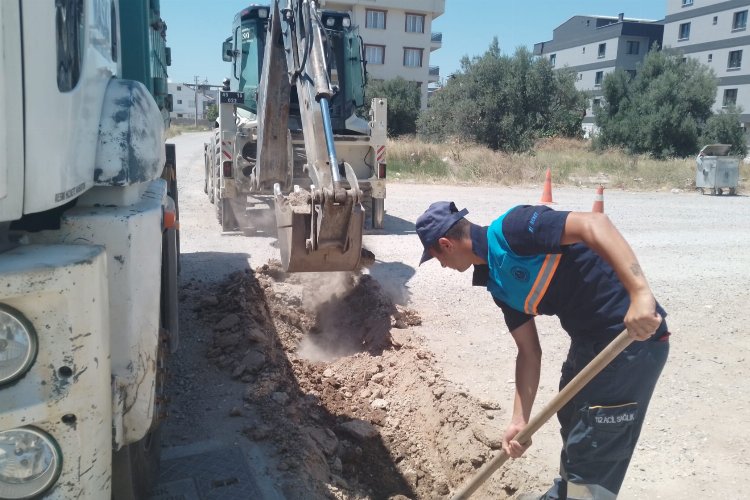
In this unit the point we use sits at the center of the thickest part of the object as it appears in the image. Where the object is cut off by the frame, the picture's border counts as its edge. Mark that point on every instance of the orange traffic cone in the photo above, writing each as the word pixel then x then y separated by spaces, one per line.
pixel 599 200
pixel 547 193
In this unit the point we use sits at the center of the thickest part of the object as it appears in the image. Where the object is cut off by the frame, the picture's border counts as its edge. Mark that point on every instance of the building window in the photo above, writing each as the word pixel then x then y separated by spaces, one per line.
pixel 583 49
pixel 179 88
pixel 739 22
pixel 414 23
pixel 687 3
pixel 684 31
pixel 633 47
pixel 413 57
pixel 553 59
pixel 716 20
pixel 597 103
pixel 602 50
pixel 730 97
pixel 580 76
pixel 710 57
pixel 375 54
pixel 735 59
pixel 179 101
pixel 598 78
pixel 375 19
pixel 179 115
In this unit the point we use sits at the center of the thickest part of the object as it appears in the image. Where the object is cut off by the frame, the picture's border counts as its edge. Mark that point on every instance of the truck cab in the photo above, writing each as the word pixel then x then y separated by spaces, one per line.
pixel 88 247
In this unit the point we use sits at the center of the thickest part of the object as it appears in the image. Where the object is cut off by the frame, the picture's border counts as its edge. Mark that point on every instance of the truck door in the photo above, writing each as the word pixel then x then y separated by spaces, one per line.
pixel 11 113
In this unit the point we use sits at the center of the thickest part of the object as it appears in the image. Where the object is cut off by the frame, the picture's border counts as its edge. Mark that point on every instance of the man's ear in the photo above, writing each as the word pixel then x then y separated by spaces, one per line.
pixel 445 244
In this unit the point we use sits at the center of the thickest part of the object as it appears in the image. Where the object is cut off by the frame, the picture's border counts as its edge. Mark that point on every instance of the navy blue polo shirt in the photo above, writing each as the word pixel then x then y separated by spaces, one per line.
pixel 584 293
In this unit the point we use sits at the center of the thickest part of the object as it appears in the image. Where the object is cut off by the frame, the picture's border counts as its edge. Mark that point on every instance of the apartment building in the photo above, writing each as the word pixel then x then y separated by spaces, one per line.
pixel 715 33
pixel 593 46
pixel 184 99
pixel 398 37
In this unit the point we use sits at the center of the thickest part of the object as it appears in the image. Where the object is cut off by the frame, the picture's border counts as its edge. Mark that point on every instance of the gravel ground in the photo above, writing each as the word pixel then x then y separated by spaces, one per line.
pixel 692 248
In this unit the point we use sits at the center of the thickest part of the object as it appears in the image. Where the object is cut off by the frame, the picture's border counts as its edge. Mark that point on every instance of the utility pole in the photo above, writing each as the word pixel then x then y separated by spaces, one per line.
pixel 196 87
pixel 196 101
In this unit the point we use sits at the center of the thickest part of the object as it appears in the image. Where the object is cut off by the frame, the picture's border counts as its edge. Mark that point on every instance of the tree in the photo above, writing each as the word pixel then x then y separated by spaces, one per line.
pixel 212 112
pixel 505 102
pixel 404 98
pixel 660 111
pixel 724 128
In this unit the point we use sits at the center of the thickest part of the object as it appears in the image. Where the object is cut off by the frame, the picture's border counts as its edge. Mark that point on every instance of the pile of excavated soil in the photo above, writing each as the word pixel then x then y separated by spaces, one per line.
pixel 341 385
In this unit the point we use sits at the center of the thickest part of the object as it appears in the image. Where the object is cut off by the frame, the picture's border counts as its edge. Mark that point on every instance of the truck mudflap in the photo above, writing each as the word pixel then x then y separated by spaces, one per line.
pixel 316 232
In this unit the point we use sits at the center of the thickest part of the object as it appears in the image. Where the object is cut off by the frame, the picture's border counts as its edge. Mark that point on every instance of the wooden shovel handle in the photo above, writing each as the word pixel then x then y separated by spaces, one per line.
pixel 561 399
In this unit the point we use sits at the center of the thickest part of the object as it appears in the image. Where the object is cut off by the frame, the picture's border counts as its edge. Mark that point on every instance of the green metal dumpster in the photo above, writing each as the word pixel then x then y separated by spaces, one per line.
pixel 716 171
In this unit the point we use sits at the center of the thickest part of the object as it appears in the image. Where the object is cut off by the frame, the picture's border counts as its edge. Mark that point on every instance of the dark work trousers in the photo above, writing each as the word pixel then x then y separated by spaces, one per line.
pixel 601 424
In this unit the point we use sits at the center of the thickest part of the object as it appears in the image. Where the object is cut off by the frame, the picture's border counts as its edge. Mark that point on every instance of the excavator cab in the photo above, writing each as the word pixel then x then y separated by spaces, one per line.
pixel 249 39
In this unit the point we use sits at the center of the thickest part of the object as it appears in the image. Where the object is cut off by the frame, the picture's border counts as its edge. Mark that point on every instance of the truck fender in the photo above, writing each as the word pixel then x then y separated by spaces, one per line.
pixel 128 151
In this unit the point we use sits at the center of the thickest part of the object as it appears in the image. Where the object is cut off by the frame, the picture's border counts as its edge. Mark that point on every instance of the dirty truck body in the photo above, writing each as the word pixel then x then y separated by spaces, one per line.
pixel 88 247
pixel 288 127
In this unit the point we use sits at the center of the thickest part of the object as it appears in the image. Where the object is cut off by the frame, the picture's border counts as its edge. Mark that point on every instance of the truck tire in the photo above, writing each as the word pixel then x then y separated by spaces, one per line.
pixel 135 468
pixel 174 194
pixel 226 215
pixel 205 173
pixel 378 212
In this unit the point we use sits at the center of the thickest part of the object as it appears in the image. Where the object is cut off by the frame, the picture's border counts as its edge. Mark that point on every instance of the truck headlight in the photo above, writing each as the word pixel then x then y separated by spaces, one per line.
pixel 30 462
pixel 18 344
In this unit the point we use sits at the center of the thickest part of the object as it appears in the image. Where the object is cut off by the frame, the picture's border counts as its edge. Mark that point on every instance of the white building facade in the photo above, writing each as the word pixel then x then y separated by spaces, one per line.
pixel 593 46
pixel 715 32
pixel 185 100
pixel 398 37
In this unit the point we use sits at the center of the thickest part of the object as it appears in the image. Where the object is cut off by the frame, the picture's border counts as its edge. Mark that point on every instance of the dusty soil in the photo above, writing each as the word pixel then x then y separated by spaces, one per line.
pixel 343 387
pixel 349 396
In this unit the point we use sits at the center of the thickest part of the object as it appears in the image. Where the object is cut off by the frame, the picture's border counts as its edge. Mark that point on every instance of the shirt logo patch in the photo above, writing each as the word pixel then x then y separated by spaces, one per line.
pixel 520 273
pixel 532 221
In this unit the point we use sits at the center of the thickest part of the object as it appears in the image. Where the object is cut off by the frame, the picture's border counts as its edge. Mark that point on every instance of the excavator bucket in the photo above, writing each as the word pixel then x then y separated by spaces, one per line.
pixel 318 237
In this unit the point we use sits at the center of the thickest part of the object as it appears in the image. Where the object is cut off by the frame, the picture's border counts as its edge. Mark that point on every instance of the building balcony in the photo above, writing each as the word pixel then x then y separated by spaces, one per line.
pixel 433 74
pixel 436 41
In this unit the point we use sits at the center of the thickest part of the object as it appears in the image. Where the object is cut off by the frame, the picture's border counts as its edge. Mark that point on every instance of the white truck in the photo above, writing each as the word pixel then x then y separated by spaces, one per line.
pixel 88 247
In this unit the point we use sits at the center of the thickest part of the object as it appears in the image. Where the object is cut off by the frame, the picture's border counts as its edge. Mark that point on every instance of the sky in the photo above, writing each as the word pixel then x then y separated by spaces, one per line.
pixel 196 28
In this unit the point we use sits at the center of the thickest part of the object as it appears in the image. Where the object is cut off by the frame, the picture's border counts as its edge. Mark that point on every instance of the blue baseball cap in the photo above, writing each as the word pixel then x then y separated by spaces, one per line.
pixel 435 222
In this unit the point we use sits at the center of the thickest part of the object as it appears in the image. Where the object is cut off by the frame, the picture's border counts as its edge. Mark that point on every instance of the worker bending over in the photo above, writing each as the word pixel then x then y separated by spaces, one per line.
pixel 577 266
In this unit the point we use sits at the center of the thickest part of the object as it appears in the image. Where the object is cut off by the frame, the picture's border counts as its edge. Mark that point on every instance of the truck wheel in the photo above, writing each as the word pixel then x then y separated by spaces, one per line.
pixel 135 468
pixel 205 174
pixel 226 216
pixel 378 212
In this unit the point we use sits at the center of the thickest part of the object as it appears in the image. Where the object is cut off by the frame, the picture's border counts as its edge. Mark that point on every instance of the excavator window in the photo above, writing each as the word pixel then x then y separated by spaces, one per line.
pixel 250 59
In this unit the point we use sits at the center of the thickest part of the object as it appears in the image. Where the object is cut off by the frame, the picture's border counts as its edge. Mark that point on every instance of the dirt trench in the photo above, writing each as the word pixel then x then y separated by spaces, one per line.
pixel 339 383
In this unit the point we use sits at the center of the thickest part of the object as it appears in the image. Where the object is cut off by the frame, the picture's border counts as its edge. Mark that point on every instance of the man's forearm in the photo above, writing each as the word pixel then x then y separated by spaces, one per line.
pixel 528 367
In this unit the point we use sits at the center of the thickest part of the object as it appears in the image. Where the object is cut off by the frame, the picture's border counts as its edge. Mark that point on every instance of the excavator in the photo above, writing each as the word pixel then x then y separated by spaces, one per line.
pixel 288 128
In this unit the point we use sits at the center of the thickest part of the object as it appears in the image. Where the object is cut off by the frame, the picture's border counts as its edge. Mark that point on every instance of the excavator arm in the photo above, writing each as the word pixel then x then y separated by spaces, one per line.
pixel 319 229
